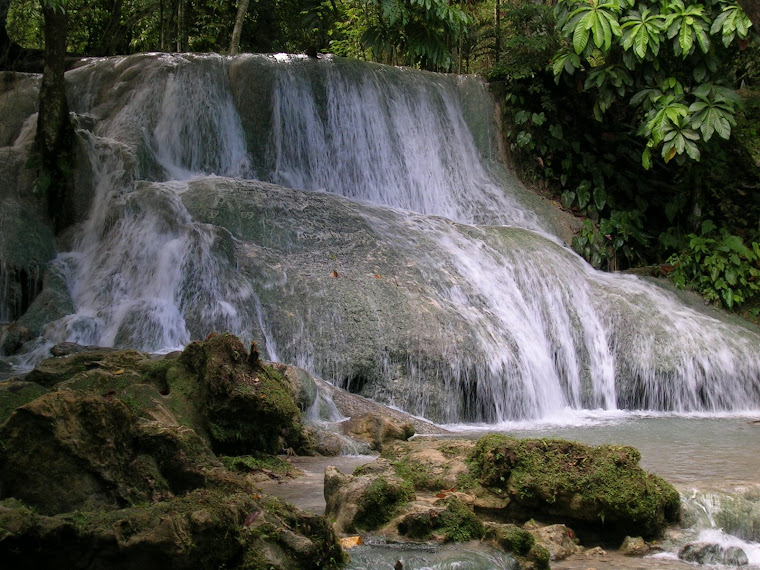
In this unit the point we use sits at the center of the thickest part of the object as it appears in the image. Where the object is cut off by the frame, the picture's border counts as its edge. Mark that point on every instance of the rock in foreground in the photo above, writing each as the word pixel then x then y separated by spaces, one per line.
pixel 116 465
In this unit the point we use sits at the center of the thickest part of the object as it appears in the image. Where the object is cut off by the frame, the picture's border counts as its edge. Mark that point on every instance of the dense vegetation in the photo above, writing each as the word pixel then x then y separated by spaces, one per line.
pixel 640 117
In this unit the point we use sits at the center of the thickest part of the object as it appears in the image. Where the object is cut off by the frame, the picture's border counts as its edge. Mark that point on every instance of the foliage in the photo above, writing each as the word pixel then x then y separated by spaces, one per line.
pixel 661 58
pixel 718 265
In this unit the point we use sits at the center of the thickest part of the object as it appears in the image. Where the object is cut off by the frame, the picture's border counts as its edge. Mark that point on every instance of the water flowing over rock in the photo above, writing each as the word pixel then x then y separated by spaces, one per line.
pixel 354 220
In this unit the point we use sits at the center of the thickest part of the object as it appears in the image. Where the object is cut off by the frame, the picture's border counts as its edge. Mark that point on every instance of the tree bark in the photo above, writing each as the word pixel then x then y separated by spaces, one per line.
pixel 752 9
pixel 238 29
pixel 55 132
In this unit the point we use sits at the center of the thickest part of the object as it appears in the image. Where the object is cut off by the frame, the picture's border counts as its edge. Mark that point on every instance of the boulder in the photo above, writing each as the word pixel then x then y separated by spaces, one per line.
pixel 366 500
pixel 201 530
pixel 600 488
pixel 377 430
pixel 557 539
pixel 712 553
pixel 634 546
pixel 69 450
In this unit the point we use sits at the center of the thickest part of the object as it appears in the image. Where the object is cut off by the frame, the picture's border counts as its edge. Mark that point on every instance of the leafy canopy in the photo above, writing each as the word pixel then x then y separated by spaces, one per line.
pixel 660 56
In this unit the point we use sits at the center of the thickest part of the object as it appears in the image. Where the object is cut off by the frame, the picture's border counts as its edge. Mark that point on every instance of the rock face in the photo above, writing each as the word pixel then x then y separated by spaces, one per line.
pixel 115 464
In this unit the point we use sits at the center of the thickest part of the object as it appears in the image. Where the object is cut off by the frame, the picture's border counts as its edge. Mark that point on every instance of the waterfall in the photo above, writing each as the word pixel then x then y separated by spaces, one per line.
pixel 353 220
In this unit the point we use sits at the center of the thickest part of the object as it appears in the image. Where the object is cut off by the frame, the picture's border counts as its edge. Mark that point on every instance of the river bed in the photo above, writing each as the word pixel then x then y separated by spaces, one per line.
pixel 711 460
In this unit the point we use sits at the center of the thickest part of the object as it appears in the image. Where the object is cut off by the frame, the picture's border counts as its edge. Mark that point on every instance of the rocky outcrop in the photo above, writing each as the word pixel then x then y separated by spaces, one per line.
pixel 115 463
pixel 511 493
pixel 600 488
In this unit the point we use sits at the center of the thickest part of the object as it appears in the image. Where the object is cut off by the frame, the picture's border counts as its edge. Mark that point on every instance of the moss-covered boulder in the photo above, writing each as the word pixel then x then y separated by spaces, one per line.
pixel 204 529
pixel 246 405
pixel 600 487
pixel 69 450
pixel 366 500
pixel 452 521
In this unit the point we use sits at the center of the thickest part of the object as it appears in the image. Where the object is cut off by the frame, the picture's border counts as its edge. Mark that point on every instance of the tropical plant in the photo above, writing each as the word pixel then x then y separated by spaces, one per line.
pixel 659 57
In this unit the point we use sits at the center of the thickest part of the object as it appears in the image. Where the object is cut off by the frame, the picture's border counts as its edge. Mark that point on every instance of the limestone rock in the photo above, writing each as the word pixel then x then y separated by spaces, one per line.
pixel 366 500
pixel 557 539
pixel 634 546
pixel 69 450
pixel 602 487
pixel 377 430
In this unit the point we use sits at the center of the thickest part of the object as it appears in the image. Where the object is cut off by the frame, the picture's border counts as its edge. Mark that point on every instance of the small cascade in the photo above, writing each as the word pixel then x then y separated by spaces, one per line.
pixel 387 136
pixel 728 520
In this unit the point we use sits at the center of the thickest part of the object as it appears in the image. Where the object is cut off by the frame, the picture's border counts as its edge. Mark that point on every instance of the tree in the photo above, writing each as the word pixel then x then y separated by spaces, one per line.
pixel 238 29
pixel 55 132
pixel 660 57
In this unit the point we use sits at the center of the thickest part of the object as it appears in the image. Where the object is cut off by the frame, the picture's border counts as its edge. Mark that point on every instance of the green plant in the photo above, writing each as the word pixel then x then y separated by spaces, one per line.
pixel 719 266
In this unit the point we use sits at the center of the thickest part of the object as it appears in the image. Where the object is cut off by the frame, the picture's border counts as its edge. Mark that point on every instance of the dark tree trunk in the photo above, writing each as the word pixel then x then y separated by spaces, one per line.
pixel 752 9
pixel 113 33
pixel 55 132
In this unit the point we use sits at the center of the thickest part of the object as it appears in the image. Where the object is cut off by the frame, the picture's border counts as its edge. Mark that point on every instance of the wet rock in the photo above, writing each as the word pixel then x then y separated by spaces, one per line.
pixel 712 553
pixel 450 519
pixel 203 529
pixel 12 337
pixel 377 430
pixel 600 487
pixel 634 546
pixel 303 386
pixel 248 407
pixel 366 500
pixel 557 539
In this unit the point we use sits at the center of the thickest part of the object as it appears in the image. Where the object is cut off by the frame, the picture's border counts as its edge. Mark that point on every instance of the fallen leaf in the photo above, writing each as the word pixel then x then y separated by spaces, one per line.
pixel 351 541
pixel 441 495
pixel 119 371
pixel 252 517
pixel 334 273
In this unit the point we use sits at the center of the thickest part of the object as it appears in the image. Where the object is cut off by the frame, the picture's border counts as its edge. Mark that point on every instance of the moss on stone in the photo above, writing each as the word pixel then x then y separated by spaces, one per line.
pixel 381 501
pixel 510 538
pixel 602 486
pixel 15 393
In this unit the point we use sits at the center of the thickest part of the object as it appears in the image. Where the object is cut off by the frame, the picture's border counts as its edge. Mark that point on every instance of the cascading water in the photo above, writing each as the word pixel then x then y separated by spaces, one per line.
pixel 391 292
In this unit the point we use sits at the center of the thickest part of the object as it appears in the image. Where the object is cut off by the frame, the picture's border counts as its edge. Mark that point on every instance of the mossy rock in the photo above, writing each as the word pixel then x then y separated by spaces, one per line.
pixel 602 487
pixel 381 500
pixel 509 538
pixel 68 450
pixel 455 522
pixel 201 530
pixel 249 407
pixel 15 393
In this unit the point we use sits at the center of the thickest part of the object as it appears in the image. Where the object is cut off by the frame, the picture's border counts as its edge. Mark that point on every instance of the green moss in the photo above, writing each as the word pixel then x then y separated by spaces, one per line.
pixel 600 485
pixel 459 523
pixel 16 393
pixel 419 475
pixel 511 538
pixel 540 556
pixel 381 501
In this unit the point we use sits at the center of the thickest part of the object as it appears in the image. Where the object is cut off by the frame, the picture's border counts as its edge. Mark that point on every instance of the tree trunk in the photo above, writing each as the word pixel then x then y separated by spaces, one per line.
pixel 55 132
pixel 752 9
pixel 113 34
pixel 238 29
pixel 498 31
